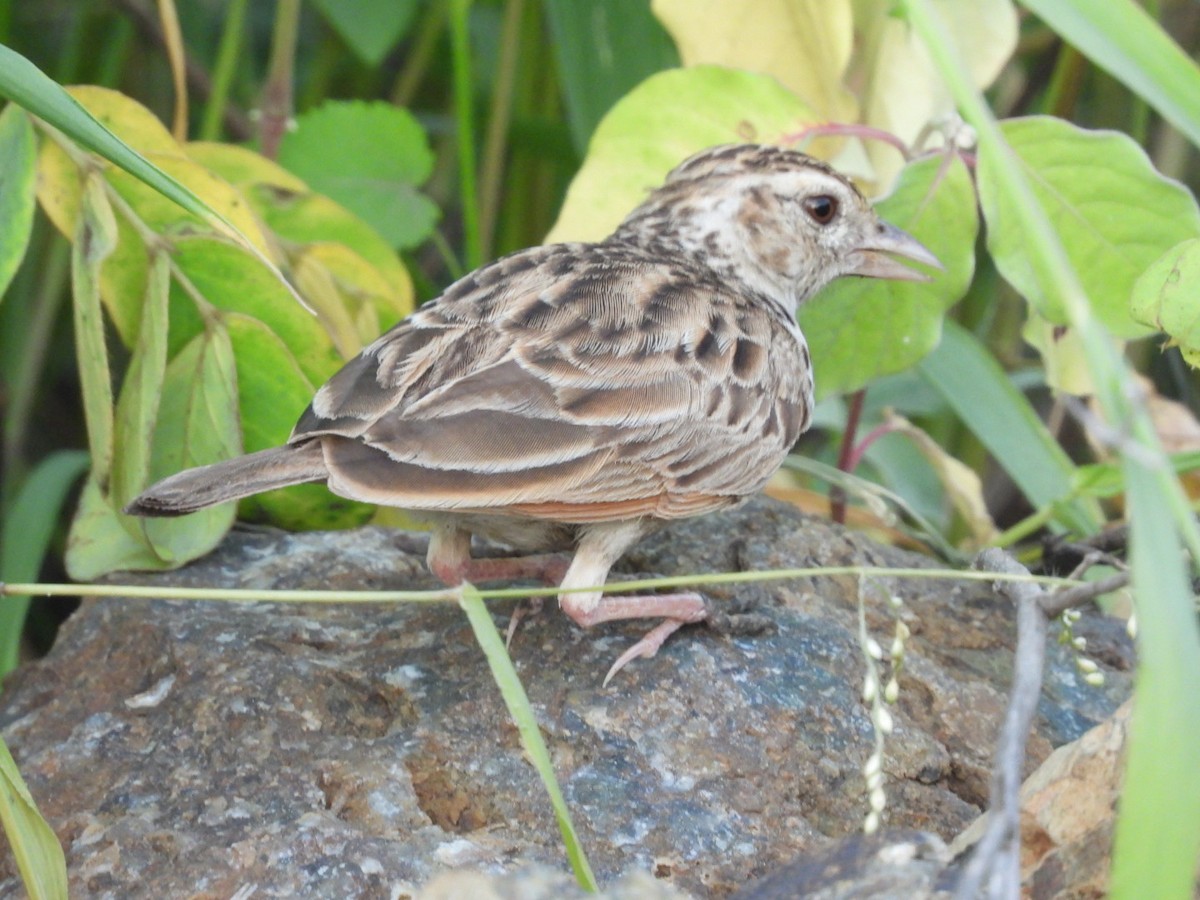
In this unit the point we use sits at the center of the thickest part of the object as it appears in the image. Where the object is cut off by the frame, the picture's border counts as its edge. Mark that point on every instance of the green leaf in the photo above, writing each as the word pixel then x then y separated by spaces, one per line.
pixel 1158 831
pixel 25 535
pixel 371 158
pixel 18 155
pixel 101 541
pixel 604 50
pixel 34 845
pixel 1113 212
pixel 94 240
pixel 665 119
pixel 227 278
pixel 123 274
pixel 306 218
pixel 1164 298
pixel 272 393
pixel 369 27
pixel 979 391
pixel 860 329
pixel 197 424
pixel 141 389
pixel 1123 39
pixel 1108 480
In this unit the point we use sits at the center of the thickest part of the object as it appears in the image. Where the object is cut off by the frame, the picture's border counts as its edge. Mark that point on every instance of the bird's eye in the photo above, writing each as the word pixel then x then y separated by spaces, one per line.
pixel 821 209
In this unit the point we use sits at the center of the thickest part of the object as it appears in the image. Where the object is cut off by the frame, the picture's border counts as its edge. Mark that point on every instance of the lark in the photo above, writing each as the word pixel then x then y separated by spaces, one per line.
pixel 569 399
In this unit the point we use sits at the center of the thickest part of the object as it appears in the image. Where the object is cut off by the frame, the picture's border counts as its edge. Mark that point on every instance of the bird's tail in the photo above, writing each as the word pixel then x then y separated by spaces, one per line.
pixel 233 479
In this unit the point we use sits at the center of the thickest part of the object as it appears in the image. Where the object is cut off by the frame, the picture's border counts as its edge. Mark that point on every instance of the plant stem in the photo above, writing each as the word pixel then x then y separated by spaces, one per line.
pixel 223 70
pixel 277 92
pixel 494 142
pixel 176 57
pixel 464 118
pixel 420 55
pixel 837 496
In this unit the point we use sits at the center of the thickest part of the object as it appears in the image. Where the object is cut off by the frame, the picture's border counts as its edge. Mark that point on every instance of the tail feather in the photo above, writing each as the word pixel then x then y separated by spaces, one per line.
pixel 232 479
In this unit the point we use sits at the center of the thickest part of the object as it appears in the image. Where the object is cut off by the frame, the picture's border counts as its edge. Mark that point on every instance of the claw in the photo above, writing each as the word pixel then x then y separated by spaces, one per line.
pixel 646 647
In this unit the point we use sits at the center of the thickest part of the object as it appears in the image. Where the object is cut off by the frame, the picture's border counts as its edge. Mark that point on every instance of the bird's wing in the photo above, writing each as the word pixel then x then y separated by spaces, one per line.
pixel 574 382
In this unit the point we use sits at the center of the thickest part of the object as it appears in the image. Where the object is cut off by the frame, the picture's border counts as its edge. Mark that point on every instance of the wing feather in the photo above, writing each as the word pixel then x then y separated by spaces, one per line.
pixel 572 382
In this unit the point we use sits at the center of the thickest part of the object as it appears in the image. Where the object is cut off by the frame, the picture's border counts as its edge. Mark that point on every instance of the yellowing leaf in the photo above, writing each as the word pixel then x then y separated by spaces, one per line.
pixel 305 218
pixel 316 283
pixel 164 216
pixel 902 91
pixel 661 122
pixel 123 273
pixel 1062 355
pixel 241 167
pixel 127 119
pixel 806 44
pixel 369 296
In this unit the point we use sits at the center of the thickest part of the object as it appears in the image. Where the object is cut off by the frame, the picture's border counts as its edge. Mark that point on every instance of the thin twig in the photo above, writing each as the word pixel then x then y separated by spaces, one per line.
pixel 995 861
pixel 1057 603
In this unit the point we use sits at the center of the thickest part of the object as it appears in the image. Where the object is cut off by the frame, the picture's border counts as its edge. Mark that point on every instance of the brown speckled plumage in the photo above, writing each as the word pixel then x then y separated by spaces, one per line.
pixel 578 395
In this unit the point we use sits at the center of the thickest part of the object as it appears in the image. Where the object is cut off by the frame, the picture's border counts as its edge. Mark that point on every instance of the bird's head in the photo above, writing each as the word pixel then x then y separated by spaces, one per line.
pixel 777 220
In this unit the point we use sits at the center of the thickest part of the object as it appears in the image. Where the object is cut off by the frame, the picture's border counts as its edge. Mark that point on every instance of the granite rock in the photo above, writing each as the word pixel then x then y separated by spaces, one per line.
pixel 204 749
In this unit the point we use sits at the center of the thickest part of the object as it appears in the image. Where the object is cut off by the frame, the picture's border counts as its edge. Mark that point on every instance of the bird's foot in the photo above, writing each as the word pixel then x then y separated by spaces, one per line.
pixel 676 610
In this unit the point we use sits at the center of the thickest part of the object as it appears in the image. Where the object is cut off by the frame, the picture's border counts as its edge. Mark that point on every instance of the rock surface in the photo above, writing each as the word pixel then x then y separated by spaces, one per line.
pixel 203 749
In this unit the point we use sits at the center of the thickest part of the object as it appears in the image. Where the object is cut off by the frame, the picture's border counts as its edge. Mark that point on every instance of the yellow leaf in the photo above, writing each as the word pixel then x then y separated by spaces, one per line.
pixel 127 119
pixel 242 167
pixel 805 44
pixel 902 92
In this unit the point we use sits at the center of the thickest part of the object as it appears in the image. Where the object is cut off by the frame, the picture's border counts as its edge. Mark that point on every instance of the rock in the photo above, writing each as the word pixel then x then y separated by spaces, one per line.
pixel 204 748
pixel 1068 814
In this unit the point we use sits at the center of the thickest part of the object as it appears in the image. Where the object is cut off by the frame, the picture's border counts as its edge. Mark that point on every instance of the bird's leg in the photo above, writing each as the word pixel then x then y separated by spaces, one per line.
pixel 450 560
pixel 599 547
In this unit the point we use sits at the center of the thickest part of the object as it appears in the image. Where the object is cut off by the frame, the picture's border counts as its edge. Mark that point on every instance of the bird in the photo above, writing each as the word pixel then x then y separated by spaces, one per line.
pixel 569 399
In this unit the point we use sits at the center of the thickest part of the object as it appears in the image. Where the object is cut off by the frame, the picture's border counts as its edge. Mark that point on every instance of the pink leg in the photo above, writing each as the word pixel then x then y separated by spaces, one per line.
pixel 677 610
pixel 450 560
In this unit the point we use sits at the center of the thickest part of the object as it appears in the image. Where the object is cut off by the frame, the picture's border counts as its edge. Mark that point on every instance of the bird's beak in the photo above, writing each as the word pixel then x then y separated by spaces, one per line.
pixel 873 259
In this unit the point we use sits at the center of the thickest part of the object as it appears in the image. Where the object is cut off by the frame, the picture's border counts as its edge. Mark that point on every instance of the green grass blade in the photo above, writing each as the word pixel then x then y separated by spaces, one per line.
pixel 983 396
pixel 18 158
pixel 1124 40
pixel 1158 831
pixel 25 534
pixel 27 86
pixel 38 854
pixel 522 713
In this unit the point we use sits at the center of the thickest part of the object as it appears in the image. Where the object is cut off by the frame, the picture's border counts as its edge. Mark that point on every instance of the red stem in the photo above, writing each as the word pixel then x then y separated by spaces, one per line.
pixel 846 456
